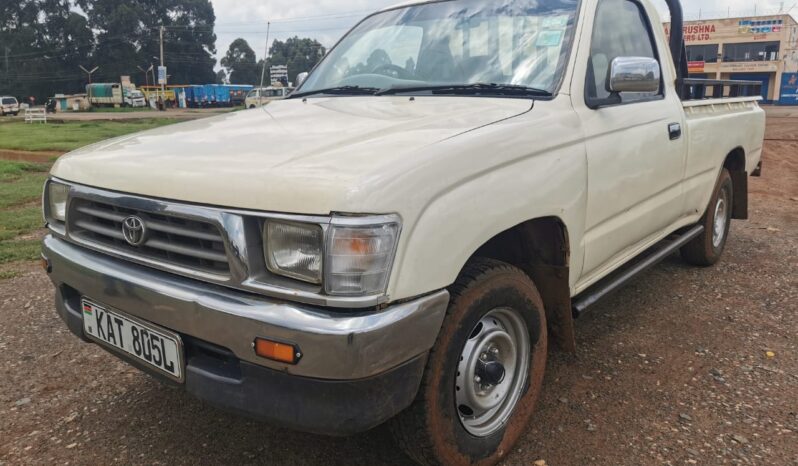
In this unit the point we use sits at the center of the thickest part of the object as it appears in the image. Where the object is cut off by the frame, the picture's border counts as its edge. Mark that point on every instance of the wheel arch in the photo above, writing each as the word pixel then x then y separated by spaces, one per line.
pixel 735 163
pixel 541 248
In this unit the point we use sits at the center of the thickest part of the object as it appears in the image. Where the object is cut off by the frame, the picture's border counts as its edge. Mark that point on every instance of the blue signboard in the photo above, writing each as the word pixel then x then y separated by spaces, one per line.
pixel 161 75
pixel 789 89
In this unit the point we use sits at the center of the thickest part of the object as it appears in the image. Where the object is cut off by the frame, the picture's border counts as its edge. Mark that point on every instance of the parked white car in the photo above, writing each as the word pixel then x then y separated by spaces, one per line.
pixel 404 236
pixel 135 98
pixel 8 105
pixel 263 95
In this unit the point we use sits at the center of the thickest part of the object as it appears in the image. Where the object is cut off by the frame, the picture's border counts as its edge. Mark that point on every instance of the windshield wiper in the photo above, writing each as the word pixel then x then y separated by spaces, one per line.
pixel 340 90
pixel 470 89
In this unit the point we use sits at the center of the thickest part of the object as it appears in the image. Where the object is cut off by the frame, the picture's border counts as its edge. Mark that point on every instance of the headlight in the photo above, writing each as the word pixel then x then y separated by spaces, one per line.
pixel 57 201
pixel 294 250
pixel 353 255
pixel 359 258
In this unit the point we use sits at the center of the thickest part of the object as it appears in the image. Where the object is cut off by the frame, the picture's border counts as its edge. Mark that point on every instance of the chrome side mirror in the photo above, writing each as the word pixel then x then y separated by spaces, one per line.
pixel 634 74
pixel 300 78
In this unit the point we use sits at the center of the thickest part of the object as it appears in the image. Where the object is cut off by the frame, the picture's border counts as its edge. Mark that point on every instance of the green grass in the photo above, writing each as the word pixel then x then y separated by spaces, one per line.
pixel 8 274
pixel 20 183
pixel 20 213
pixel 70 135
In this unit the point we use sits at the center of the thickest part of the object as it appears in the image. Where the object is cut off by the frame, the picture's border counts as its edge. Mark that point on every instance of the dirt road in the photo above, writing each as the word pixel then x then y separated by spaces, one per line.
pixel 684 366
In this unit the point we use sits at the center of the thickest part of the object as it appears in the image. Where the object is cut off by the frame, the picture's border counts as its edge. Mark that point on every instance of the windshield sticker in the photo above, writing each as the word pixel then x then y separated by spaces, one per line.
pixel 549 39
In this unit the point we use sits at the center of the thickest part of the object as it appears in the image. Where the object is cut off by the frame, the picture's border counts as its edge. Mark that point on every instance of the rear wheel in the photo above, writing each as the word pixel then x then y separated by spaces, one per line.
pixel 706 249
pixel 483 375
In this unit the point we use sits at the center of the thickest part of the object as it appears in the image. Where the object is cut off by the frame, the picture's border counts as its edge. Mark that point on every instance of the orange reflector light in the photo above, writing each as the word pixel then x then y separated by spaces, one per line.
pixel 45 264
pixel 277 351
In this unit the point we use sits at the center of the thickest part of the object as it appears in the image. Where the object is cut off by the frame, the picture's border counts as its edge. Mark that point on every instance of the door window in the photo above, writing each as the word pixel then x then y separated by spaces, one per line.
pixel 621 29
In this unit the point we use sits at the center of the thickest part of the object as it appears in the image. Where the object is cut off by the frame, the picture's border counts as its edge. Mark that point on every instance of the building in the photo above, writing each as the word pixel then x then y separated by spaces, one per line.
pixel 278 74
pixel 74 102
pixel 762 48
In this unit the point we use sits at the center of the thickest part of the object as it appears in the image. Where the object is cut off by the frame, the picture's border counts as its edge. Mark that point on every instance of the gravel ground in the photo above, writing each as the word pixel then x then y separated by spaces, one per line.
pixel 683 366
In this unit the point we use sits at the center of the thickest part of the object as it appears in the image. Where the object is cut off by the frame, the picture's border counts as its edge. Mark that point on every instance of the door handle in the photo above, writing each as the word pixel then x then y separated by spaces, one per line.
pixel 675 131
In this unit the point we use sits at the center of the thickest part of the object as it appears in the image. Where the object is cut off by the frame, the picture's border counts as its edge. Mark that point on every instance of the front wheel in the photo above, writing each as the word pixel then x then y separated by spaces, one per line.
pixel 705 249
pixel 484 373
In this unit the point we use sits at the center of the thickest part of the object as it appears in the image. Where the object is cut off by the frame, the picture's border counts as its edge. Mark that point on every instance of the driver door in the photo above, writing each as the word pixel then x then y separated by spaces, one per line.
pixel 635 158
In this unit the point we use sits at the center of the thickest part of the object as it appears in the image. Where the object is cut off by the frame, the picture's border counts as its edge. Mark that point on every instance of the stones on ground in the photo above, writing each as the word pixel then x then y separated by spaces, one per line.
pixel 739 439
pixel 717 374
pixel 22 401
pixel 540 463
pixel 685 417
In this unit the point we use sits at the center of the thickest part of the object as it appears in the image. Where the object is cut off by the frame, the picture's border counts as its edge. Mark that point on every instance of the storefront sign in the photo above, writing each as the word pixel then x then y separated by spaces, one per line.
pixel 730 29
pixel 696 66
pixel 765 26
pixel 789 89
pixel 749 66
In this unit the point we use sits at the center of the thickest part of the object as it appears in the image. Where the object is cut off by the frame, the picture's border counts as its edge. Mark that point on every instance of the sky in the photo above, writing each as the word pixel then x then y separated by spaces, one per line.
pixel 328 20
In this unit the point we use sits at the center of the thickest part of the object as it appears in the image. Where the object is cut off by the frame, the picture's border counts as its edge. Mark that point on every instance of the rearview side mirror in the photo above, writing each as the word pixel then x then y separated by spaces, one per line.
pixel 300 78
pixel 634 74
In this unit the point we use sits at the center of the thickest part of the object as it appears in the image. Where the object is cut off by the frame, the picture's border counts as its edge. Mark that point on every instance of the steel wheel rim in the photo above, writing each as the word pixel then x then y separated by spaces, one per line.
pixel 485 400
pixel 719 221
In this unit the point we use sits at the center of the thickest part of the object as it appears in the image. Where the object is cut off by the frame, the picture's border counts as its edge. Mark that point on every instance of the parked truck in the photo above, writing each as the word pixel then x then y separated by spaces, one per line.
pixel 114 94
pixel 403 238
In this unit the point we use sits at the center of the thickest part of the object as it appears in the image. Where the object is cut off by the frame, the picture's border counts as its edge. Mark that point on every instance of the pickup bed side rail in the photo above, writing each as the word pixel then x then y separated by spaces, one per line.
pixel 699 89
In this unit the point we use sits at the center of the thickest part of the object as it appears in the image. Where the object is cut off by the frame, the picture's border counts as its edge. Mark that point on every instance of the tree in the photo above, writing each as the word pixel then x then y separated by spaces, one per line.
pixel 299 54
pixel 41 44
pixel 221 77
pixel 240 63
pixel 128 35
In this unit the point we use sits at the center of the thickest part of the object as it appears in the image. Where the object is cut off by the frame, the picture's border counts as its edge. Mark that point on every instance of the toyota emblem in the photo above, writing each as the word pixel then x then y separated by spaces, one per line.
pixel 134 231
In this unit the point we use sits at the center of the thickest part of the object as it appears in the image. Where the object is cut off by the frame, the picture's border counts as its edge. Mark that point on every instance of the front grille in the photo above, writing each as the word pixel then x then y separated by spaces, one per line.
pixel 172 240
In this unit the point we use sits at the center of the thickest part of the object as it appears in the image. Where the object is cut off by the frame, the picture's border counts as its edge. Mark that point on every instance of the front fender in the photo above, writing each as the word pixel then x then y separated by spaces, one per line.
pixel 521 169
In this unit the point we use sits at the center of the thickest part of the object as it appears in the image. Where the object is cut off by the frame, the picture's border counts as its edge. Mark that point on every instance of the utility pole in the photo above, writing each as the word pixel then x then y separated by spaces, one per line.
pixel 163 86
pixel 263 71
pixel 89 72
pixel 7 50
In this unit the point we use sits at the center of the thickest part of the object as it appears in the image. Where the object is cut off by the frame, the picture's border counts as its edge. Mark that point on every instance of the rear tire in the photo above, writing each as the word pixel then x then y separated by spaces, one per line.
pixel 705 249
pixel 469 410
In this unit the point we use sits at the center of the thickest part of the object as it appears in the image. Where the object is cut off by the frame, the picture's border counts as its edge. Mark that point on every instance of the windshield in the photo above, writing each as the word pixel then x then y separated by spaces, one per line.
pixel 456 42
pixel 9 101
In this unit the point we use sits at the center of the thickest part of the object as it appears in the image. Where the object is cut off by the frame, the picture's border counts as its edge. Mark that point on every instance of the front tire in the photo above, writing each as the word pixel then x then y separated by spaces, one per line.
pixel 484 373
pixel 706 249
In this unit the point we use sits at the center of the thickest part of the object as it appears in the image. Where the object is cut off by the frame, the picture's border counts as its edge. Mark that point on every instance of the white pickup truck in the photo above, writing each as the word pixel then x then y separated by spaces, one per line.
pixel 403 237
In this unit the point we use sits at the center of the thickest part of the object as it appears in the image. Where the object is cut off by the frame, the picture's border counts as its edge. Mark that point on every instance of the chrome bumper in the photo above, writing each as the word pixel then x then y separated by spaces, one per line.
pixel 340 345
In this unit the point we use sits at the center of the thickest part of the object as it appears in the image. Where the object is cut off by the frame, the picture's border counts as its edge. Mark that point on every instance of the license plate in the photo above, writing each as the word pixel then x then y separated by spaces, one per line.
pixel 158 348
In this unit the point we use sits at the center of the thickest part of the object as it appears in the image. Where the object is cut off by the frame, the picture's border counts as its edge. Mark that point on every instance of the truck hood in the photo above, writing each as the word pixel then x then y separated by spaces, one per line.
pixel 312 157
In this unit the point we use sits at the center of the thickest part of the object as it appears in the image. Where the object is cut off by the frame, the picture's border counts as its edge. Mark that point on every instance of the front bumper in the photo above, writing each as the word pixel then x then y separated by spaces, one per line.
pixel 357 369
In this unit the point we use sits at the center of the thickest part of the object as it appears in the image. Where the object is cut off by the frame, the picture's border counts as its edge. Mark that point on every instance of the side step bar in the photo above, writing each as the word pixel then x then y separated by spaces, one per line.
pixel 645 261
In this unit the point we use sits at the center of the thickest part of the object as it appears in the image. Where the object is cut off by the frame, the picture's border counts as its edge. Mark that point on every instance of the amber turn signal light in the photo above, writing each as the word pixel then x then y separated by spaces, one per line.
pixel 277 351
